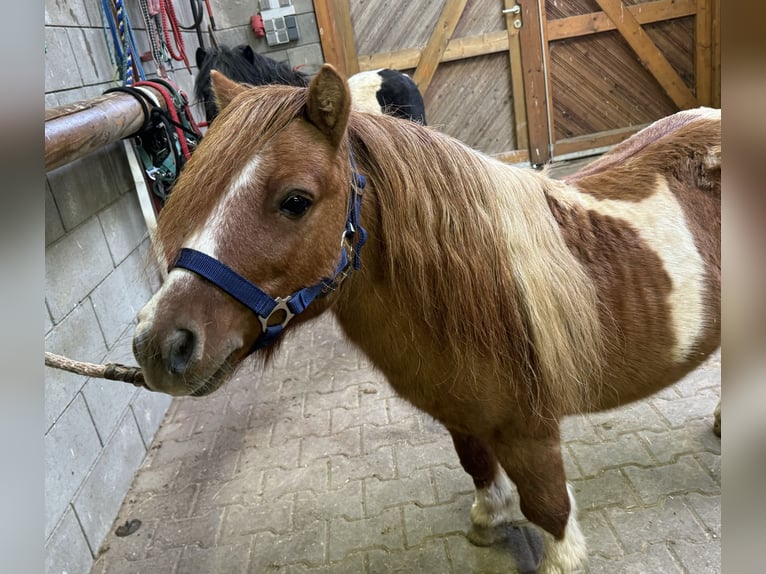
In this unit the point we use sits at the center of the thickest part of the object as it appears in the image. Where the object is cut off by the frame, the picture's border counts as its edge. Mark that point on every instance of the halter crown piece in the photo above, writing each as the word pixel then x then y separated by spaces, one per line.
pixel 262 304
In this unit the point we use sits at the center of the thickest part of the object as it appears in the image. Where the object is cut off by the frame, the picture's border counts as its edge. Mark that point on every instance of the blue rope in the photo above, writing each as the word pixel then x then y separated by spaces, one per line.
pixel 106 16
pixel 127 68
pixel 106 23
pixel 123 49
pixel 133 48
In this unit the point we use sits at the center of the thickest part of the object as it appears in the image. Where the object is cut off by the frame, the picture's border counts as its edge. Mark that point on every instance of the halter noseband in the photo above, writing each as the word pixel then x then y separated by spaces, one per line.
pixel 263 305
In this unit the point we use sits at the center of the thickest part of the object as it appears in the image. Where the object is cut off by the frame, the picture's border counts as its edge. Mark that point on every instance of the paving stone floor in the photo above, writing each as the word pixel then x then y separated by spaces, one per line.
pixel 315 466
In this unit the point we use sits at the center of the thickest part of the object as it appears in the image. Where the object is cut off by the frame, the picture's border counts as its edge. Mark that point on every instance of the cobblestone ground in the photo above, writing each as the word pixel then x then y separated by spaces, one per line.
pixel 315 466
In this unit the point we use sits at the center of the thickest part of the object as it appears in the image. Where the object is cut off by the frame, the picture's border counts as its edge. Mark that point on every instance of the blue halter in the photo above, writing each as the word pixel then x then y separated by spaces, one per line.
pixel 263 305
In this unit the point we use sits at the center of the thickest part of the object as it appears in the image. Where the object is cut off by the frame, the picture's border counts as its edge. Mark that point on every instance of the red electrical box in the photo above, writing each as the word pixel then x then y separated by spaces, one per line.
pixel 256 23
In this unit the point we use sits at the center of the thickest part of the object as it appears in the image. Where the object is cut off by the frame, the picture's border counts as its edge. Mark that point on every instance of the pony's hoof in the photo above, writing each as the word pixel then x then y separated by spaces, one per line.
pixel 717 421
pixel 483 535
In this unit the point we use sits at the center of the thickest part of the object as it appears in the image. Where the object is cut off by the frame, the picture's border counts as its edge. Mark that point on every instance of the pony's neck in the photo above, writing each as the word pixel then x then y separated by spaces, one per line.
pixel 467 247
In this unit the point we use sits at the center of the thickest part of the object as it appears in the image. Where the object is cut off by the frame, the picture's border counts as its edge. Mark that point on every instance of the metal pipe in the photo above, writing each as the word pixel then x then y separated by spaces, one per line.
pixel 78 129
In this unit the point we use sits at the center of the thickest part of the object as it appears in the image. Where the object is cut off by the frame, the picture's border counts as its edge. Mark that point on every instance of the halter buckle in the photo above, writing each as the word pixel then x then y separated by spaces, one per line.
pixel 281 305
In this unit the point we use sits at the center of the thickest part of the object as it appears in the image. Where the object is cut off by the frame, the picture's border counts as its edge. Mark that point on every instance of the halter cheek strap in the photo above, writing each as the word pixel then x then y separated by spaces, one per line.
pixel 262 304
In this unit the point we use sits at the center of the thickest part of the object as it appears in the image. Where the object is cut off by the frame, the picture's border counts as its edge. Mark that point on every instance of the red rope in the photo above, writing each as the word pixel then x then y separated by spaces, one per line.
pixel 169 15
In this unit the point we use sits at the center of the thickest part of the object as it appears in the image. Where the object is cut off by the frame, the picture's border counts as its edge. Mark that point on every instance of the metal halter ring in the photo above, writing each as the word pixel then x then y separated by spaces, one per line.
pixel 281 305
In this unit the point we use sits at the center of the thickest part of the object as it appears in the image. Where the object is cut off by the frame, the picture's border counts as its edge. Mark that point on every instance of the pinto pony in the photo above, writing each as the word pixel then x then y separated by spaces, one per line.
pixel 494 298
pixel 377 91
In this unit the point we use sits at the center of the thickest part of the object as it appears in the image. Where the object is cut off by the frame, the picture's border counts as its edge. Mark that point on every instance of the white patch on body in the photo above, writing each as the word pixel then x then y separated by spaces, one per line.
pixel 205 239
pixel 660 221
pixel 364 87
pixel 568 554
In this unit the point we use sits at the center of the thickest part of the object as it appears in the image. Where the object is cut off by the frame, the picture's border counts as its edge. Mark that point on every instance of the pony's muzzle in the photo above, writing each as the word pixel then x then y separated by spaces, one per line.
pixel 168 356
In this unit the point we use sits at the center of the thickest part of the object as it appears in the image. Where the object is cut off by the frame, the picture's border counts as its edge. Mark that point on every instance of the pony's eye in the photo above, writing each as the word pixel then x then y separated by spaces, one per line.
pixel 295 206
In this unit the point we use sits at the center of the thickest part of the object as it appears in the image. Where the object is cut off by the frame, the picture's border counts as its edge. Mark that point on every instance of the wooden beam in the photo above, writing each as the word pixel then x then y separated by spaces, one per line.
pixel 648 53
pixel 703 64
pixel 78 129
pixel 517 79
pixel 494 42
pixel 336 35
pixel 513 156
pixel 457 49
pixel 644 13
pixel 531 39
pixel 437 43
pixel 593 141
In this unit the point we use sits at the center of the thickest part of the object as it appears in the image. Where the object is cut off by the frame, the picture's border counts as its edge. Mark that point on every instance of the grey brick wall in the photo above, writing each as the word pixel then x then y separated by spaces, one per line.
pixel 232 18
pixel 98 274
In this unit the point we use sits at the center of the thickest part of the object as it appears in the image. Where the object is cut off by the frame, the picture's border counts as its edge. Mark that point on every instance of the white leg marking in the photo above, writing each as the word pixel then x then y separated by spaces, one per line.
pixel 568 554
pixel 491 508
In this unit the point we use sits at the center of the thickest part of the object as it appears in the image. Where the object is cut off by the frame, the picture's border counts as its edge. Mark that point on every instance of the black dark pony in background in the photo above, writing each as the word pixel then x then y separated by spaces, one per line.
pixel 379 91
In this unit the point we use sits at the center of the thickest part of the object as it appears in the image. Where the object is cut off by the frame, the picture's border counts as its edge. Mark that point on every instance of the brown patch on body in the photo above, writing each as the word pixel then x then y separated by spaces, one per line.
pixel 633 285
pixel 631 281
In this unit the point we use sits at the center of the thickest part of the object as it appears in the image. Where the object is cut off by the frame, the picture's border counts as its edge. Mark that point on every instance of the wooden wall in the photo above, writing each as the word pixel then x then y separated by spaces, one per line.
pixel 568 77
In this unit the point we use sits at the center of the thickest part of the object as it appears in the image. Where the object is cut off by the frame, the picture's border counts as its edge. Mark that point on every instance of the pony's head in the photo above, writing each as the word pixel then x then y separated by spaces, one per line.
pixel 266 194
pixel 240 64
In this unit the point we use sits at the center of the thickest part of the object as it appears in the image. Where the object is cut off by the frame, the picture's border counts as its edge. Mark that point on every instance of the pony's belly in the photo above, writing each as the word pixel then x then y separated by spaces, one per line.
pixel 638 382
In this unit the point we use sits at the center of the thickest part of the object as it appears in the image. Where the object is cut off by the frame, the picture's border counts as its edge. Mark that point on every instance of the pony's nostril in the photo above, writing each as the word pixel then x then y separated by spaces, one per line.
pixel 180 351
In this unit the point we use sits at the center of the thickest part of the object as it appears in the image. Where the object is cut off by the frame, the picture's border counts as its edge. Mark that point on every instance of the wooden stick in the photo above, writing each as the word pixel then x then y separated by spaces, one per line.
pixel 111 371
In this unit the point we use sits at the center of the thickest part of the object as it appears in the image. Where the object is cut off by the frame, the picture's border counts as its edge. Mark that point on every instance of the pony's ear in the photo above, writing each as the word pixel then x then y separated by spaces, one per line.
pixel 200 56
pixel 328 103
pixel 247 52
pixel 225 90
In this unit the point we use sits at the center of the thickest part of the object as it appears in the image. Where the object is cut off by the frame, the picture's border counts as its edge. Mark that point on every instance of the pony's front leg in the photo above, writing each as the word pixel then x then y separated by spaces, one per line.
pixel 536 467
pixel 492 505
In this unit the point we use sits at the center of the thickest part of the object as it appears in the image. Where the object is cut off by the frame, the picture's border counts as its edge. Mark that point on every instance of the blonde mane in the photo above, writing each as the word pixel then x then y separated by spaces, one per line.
pixel 471 244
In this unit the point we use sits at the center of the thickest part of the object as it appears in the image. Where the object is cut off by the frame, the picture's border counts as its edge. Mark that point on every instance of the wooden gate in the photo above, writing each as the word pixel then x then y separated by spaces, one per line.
pixel 536 79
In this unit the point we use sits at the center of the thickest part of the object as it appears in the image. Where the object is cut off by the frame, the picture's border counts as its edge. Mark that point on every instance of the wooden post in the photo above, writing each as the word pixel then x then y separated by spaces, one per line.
pixel 437 43
pixel 716 57
pixel 337 35
pixel 78 129
pixel 517 79
pixel 703 68
pixel 648 52
pixel 532 46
